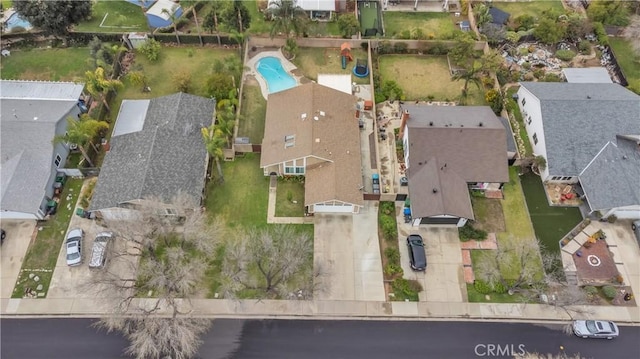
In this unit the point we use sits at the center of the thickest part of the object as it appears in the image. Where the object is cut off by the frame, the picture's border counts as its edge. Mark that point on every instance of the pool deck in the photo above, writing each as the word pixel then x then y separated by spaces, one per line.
pixel 252 62
pixel 7 14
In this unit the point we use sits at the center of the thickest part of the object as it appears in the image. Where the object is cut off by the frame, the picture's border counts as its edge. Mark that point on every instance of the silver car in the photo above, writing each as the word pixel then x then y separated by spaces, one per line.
pixel 73 243
pixel 100 249
pixel 595 329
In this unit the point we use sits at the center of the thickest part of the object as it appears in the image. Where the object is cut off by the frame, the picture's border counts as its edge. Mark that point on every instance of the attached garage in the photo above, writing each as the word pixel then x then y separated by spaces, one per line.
pixel 333 207
pixel 440 220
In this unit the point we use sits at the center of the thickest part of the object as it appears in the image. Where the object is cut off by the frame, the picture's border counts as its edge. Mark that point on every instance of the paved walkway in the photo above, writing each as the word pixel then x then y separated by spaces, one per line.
pixel 467 266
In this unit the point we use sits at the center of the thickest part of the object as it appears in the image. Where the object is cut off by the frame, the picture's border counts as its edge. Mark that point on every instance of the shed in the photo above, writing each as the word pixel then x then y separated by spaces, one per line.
pixel 587 75
pixel 464 25
pixel 160 14
pixel 498 16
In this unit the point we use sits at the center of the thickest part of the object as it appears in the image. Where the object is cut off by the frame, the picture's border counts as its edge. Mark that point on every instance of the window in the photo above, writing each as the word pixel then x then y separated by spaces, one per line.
pixel 57 160
pixel 524 101
pixel 535 138
pixel 555 178
pixel 528 120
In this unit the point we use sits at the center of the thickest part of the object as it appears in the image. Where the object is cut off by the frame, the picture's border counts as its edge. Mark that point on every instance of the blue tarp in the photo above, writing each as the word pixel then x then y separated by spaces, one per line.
pixel 498 16
pixel 147 3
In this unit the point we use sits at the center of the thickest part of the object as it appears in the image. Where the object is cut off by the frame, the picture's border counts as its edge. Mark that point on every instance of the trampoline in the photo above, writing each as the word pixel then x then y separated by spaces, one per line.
pixel 361 69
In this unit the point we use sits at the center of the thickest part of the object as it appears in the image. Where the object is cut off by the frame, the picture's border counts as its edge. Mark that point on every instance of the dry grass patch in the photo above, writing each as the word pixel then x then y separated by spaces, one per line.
pixel 312 61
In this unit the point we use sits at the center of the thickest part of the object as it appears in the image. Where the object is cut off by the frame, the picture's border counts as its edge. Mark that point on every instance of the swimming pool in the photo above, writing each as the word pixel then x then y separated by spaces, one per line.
pixel 16 21
pixel 277 78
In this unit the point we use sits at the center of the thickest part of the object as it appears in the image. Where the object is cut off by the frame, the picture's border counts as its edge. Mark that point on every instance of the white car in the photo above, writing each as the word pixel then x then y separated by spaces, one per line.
pixel 595 329
pixel 73 243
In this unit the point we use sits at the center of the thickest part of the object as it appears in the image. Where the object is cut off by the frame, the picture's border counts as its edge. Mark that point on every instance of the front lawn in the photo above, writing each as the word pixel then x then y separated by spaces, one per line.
pixel 290 197
pixel 475 297
pixel 550 223
pixel 533 8
pixel 312 61
pixel 425 78
pixel 488 213
pixel 628 59
pixel 114 16
pixel 43 252
pixel 68 64
pixel 432 25
pixel 252 113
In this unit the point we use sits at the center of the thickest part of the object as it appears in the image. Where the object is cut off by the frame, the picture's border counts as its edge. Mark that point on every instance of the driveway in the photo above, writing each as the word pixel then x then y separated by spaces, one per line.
pixel 347 250
pixel 14 248
pixel 443 280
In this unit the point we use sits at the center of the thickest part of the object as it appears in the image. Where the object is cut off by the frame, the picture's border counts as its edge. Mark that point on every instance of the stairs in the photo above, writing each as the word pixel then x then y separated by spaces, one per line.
pixel 572 278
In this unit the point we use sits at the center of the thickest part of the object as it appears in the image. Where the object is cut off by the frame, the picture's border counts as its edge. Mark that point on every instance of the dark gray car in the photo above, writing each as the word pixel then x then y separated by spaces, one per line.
pixel 635 226
pixel 417 255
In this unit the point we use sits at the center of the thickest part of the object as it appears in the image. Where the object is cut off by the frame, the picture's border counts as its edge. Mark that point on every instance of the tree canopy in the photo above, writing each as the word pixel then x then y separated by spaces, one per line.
pixel 609 12
pixel 54 17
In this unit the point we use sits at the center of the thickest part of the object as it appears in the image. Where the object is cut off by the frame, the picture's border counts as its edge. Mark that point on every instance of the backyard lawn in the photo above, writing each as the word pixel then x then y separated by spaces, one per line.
pixel 514 209
pixel 550 223
pixel 252 114
pixel 258 23
pixel 488 213
pixel 42 254
pixel 533 8
pixel 628 60
pixel 434 25
pixel 425 77
pixel 290 198
pixel 312 61
pixel 46 64
pixel 114 16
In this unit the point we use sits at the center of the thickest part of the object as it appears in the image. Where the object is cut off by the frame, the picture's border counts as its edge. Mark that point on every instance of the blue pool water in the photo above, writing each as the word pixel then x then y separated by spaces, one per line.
pixel 275 75
pixel 16 21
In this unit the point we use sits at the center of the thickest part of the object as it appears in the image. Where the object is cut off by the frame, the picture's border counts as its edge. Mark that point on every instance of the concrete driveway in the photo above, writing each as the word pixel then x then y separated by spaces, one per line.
pixel 346 247
pixel 443 280
pixel 19 235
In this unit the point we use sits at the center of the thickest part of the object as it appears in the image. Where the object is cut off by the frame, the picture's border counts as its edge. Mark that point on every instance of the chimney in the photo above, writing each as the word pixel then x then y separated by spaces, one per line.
pixel 405 117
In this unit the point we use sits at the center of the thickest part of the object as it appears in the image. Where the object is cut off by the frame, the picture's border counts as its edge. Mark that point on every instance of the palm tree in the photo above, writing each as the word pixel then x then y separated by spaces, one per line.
pixel 287 16
pixel 81 132
pixel 215 147
pixel 239 38
pixel 225 121
pixel 98 85
pixel 468 75
pixel 195 18
pixel 174 21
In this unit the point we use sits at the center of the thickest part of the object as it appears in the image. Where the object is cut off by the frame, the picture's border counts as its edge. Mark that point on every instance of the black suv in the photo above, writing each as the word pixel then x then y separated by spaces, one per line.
pixel 417 256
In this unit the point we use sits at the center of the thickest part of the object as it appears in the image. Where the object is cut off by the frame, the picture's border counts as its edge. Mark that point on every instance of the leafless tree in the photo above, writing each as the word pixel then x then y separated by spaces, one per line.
pixel 158 262
pixel 276 262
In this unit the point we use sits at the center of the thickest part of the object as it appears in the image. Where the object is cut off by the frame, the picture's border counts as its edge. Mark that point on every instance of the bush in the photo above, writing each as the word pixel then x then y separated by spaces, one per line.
pixel 584 47
pixel 391 270
pixel 406 289
pixel 151 49
pixel 388 208
pixel 494 99
pixel 538 73
pixel 388 226
pixel 619 279
pixel 392 91
pixel 182 81
pixel 565 55
pixel 385 47
pixel 601 34
pixel 551 77
pixel 400 47
pixel 467 232
pixel 392 254
pixel 609 292
pixel 438 49
pixel 500 288
pixel 612 218
pixel 590 290
pixel 482 287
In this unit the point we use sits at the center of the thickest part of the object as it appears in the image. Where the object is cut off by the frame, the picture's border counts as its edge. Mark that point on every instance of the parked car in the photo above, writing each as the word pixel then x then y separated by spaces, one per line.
pixel 595 329
pixel 100 249
pixel 2 236
pixel 417 256
pixel 74 247
pixel 635 226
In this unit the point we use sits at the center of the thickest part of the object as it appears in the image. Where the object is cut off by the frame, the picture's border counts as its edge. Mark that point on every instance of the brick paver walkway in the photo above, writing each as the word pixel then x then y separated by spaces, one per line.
pixel 490 243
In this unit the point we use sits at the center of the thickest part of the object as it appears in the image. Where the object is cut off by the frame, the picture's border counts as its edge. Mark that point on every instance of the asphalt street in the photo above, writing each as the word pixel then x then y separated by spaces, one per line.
pixel 229 338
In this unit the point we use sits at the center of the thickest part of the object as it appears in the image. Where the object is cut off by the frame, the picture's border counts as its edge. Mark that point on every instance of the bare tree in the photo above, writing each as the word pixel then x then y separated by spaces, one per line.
pixel 157 263
pixel 276 262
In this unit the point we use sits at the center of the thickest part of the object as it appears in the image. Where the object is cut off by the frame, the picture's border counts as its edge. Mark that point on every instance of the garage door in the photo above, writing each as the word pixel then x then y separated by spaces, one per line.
pixel 440 220
pixel 324 208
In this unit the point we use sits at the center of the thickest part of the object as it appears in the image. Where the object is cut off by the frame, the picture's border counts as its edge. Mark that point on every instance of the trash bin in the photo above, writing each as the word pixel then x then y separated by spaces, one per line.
pixel 80 212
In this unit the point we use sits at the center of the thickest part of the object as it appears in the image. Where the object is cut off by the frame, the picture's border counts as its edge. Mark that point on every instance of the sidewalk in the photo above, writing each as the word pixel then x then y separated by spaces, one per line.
pixel 221 308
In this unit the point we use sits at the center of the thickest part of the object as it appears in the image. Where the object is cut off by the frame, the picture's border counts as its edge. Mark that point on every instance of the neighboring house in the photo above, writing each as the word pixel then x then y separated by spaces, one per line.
pixel 32 113
pixel 311 131
pixel 448 151
pixel 161 12
pixel 575 126
pixel 156 151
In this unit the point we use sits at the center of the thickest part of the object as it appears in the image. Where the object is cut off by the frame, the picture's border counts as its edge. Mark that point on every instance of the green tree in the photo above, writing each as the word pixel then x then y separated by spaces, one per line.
pixel 609 12
pixel 469 75
pixel 138 78
pixel 211 20
pixel 287 17
pixel 549 31
pixel 81 132
pixel 215 145
pixel 54 17
pixel 195 18
pixel 524 22
pixel 462 53
pixel 102 54
pixel 99 86
pixel 290 48
pixel 219 85
pixel 174 22
pixel 239 38
pixel 482 15
pixel 182 80
pixel 235 16
pixel 348 25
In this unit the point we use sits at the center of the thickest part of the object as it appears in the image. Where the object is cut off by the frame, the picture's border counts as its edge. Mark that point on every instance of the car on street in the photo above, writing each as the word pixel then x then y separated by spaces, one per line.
pixel 595 329
pixel 100 249
pixel 635 226
pixel 73 243
pixel 2 236
pixel 417 255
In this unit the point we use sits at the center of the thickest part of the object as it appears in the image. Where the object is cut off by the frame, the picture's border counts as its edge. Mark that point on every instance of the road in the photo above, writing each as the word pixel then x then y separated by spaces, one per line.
pixel 229 338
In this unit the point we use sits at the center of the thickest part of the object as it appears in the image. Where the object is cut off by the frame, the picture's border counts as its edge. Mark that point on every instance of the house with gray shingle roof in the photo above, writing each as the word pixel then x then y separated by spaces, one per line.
pixel 577 127
pixel 448 151
pixel 156 152
pixel 311 131
pixel 32 113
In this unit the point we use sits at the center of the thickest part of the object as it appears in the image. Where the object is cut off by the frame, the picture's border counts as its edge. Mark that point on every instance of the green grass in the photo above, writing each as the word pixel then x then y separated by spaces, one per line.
pixel 242 200
pixel 46 64
pixel 475 297
pixel 434 25
pixel 369 17
pixel 488 213
pixel 421 77
pixel 259 25
pixel 628 59
pixel 512 106
pixel 122 16
pixel 550 223
pixel 252 114
pixel 312 61
pixel 533 8
pixel 514 209
pixel 42 254
pixel 290 189
pixel 324 29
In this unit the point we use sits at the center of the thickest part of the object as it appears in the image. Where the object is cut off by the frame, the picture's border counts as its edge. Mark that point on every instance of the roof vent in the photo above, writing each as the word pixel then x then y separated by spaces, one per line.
pixel 322 113
pixel 625 157
pixel 303 116
pixel 481 124
pixel 435 190
pixel 430 123
pixel 316 118
pixel 589 97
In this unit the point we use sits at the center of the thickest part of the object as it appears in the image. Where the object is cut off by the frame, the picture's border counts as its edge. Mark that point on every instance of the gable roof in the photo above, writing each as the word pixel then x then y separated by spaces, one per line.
pixel 511 142
pixel 588 75
pixel 165 157
pixel 611 179
pixel 580 118
pixel 29 114
pixel 498 16
pixel 333 139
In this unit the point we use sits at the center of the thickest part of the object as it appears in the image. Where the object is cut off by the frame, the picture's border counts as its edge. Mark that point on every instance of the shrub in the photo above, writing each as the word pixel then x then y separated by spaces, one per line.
pixel 584 47
pixel 500 288
pixel 526 65
pixel 388 208
pixel 612 218
pixel 467 232
pixel 494 99
pixel 538 73
pixel 482 287
pixel 151 49
pixel 392 91
pixel 400 47
pixel 391 270
pixel 182 81
pixel 550 77
pixel 565 55
pixel 601 34
pixel 385 47
pixel 392 254
pixel 609 292
pixel 619 279
pixel 388 226
pixel 406 289
pixel 590 290
pixel 437 49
